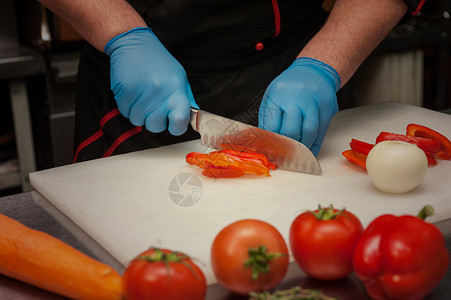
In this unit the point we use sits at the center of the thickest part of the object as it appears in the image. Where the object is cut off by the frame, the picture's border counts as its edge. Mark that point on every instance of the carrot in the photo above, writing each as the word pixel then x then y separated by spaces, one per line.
pixel 40 259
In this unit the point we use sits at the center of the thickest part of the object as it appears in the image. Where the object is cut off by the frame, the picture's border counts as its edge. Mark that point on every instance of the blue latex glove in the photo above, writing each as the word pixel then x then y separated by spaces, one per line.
pixel 150 86
pixel 301 102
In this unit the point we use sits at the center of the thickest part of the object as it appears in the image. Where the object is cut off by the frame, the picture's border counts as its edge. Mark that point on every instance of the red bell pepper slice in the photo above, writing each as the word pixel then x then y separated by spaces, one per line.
pixel 230 163
pixel 360 146
pixel 257 157
pixel 220 159
pixel 222 173
pixel 196 158
pixel 431 158
pixel 356 158
pixel 364 148
pixel 254 156
pixel 252 168
pixel 244 149
pixel 427 145
pixel 425 132
pixel 401 257
pixel 213 171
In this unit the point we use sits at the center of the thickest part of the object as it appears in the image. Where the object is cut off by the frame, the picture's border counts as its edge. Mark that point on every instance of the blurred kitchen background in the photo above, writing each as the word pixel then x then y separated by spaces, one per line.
pixel 38 67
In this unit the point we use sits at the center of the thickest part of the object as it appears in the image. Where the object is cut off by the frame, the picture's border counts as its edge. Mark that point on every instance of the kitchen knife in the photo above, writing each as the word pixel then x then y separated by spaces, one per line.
pixel 284 152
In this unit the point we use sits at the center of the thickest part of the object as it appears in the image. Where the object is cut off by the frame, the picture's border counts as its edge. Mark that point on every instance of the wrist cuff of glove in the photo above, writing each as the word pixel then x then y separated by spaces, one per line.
pixel 323 67
pixel 109 47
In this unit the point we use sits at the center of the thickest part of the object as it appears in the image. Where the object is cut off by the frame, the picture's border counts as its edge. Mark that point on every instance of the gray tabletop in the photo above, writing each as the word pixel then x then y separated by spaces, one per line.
pixel 34 211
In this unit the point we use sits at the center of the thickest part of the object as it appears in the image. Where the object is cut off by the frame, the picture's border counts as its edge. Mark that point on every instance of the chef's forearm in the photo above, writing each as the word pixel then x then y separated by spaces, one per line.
pixel 352 31
pixel 97 21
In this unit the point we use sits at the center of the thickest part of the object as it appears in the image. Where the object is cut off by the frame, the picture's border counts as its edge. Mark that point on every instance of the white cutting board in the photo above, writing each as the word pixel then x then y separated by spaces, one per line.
pixel 126 202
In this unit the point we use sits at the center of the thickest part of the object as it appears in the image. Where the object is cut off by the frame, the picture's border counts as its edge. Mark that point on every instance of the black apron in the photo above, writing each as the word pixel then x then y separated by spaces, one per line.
pixel 231 51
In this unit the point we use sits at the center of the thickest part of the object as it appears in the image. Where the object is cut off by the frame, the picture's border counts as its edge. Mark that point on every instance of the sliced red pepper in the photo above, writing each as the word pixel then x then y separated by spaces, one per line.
pixel 360 146
pixel 272 166
pixel 221 161
pixel 427 145
pixel 222 173
pixel 201 159
pixel 196 158
pixel 257 157
pixel 242 150
pixel 364 148
pixel 425 132
pixel 431 158
pixel 213 171
pixel 356 158
pixel 252 168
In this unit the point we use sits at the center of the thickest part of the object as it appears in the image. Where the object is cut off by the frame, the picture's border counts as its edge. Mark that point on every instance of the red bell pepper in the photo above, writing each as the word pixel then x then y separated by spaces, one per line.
pixel 257 157
pixel 425 132
pixel 356 158
pixel 359 151
pixel 213 171
pixel 360 146
pixel 401 257
pixel 229 162
pixel 430 147
pixel 427 145
pixel 248 164
pixel 246 149
pixel 431 158
pixel 196 158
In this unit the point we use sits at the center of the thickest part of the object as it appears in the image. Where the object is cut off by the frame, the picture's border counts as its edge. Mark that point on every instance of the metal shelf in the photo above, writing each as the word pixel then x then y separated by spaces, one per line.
pixel 9 174
pixel 16 64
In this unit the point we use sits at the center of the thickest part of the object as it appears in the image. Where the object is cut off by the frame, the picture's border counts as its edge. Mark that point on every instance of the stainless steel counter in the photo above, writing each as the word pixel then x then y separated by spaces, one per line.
pixel 34 211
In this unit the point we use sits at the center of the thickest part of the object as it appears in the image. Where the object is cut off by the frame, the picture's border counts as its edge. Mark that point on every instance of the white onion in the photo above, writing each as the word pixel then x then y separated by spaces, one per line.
pixel 395 166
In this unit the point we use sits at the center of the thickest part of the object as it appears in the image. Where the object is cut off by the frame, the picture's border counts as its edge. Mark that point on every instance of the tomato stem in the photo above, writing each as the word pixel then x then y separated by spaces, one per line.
pixel 160 256
pixel 326 213
pixel 259 260
pixel 173 257
pixel 425 212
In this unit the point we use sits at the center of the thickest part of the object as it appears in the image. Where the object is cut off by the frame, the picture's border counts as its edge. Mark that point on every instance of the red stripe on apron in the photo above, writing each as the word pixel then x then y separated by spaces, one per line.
pixel 96 135
pixel 122 138
pixel 275 8
pixel 417 10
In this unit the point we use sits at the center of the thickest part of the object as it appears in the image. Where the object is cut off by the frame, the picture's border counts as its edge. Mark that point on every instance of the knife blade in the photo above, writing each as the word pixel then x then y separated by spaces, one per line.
pixel 284 152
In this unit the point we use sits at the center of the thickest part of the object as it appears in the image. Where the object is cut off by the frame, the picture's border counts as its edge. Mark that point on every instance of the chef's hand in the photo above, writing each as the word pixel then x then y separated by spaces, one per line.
pixel 150 86
pixel 301 102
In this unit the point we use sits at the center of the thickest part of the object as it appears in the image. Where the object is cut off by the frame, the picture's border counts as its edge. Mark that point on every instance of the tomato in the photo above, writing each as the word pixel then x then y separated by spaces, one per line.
pixel 163 274
pixel 249 255
pixel 323 241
